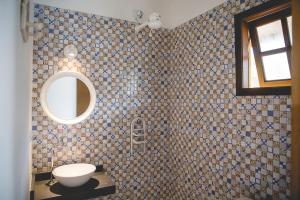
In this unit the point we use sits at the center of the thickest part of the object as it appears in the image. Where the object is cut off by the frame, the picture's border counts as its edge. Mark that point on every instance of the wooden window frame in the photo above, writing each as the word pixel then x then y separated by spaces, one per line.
pixel 245 23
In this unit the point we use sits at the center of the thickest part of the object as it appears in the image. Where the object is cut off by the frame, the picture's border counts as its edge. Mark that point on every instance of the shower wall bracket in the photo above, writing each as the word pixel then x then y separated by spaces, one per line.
pixel 138 15
pixel 138 134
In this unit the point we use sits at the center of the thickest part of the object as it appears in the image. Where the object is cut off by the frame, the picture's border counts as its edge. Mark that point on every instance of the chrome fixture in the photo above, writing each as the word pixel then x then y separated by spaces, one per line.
pixel 138 134
pixel 138 15
pixel 154 22
pixel 51 181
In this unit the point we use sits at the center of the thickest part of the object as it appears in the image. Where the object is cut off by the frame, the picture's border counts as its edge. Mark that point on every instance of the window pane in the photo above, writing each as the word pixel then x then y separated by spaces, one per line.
pixel 271 36
pixel 276 67
pixel 289 20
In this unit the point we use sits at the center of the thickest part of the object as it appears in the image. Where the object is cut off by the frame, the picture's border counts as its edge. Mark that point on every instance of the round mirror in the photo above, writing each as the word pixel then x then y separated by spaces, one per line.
pixel 68 97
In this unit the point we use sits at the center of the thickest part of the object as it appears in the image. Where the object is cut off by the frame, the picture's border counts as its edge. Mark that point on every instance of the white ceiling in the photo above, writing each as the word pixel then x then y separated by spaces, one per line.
pixel 173 12
pixel 176 12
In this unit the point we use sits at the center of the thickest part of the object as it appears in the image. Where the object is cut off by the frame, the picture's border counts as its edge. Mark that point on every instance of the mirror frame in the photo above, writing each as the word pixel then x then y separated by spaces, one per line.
pixel 79 76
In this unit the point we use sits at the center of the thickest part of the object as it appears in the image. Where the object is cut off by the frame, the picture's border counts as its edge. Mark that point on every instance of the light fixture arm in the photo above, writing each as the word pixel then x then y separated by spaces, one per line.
pixel 140 27
pixel 154 22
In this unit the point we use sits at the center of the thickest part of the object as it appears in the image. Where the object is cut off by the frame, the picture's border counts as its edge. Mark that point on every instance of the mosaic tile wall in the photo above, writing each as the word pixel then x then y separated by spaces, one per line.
pixel 127 71
pixel 203 141
pixel 222 145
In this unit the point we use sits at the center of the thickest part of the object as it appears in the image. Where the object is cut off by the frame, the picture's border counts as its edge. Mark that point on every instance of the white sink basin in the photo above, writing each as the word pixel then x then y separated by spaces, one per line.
pixel 74 175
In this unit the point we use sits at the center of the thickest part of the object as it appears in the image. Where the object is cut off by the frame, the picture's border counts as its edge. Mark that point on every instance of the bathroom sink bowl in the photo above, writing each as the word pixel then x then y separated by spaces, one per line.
pixel 74 175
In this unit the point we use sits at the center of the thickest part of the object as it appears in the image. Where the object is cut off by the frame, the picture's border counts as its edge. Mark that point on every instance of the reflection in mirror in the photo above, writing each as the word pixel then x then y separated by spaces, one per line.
pixel 67 98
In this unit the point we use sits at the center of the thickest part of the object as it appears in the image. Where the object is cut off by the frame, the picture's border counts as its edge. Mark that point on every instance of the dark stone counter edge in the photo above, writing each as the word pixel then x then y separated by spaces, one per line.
pixel 93 194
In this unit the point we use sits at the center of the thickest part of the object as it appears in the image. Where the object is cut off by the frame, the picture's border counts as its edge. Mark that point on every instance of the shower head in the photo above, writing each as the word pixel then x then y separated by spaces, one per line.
pixel 154 22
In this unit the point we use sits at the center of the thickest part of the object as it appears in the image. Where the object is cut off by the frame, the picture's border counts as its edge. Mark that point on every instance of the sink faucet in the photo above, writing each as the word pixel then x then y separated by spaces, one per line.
pixel 51 181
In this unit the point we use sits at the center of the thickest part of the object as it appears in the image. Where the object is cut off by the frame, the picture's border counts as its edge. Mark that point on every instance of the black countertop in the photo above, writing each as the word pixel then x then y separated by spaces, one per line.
pixel 99 185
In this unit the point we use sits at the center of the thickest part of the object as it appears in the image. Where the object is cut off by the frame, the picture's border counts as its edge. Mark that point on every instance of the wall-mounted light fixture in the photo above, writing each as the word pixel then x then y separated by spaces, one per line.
pixel 138 15
pixel 154 22
pixel 70 51
pixel 28 28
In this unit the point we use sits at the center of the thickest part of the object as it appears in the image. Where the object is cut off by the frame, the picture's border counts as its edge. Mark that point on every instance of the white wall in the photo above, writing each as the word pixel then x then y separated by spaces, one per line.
pixel 176 12
pixel 173 12
pixel 14 105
